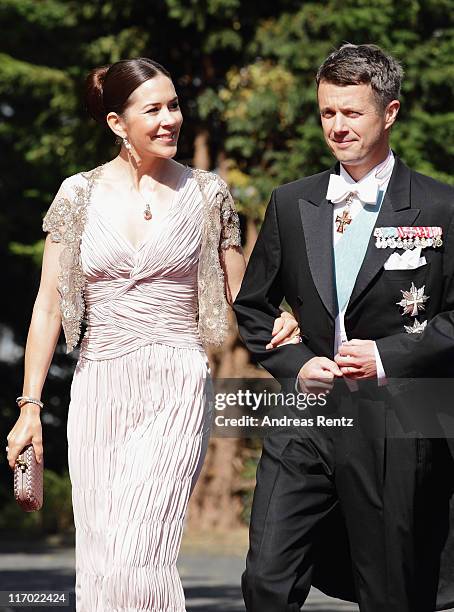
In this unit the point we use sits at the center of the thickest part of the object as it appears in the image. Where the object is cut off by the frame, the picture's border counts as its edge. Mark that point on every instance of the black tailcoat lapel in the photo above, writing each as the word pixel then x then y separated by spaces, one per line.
pixel 317 218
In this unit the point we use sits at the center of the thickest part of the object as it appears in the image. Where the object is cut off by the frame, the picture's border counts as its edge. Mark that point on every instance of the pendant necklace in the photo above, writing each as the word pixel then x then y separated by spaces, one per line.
pixel 147 215
pixel 147 212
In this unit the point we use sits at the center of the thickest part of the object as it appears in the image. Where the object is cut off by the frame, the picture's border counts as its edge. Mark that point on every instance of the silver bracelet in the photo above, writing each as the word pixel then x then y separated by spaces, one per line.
pixel 30 400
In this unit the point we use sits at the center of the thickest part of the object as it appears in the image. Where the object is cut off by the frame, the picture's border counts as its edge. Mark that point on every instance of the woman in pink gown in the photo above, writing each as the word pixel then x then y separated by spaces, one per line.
pixel 139 415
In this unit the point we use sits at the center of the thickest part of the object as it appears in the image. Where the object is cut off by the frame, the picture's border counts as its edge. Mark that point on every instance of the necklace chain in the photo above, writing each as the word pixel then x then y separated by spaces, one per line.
pixel 147 215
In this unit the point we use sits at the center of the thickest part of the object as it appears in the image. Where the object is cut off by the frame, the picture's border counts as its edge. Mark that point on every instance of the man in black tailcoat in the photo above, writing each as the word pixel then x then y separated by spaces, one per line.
pixel 364 255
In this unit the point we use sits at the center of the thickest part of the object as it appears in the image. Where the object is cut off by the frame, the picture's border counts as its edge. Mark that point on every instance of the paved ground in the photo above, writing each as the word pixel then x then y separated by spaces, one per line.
pixel 218 589
pixel 211 581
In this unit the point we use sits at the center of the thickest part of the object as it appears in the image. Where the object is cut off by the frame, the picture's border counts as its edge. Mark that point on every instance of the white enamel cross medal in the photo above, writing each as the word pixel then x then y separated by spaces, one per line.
pixel 413 300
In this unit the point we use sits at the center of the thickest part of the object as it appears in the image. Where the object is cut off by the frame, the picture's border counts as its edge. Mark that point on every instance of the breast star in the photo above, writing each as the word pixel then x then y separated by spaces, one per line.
pixel 413 300
pixel 416 328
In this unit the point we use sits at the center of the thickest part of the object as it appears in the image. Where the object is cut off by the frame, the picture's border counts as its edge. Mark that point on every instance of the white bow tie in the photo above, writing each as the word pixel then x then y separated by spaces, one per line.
pixel 339 189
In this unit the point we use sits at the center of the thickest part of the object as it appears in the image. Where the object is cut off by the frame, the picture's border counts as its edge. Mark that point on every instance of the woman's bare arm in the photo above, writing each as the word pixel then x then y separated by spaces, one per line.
pixel 42 338
pixel 234 266
pixel 45 322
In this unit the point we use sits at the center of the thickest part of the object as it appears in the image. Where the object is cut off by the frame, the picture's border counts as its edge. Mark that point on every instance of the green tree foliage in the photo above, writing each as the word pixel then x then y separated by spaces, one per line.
pixel 268 103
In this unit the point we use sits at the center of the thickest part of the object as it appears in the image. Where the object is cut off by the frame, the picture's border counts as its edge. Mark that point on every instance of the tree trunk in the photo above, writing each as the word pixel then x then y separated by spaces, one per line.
pixel 202 150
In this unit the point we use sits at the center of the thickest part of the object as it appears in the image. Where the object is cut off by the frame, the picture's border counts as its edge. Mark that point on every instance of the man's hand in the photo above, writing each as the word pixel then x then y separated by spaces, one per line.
pixel 356 359
pixel 317 375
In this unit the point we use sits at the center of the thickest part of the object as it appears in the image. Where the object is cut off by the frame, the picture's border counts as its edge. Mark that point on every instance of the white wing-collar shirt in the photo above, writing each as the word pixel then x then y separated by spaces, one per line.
pixel 377 179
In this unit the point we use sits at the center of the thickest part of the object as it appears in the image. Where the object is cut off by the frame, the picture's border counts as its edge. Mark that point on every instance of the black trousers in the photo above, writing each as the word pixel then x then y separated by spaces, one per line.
pixel 369 505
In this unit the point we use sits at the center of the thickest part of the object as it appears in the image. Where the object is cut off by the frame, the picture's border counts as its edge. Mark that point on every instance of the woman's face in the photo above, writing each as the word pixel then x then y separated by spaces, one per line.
pixel 152 119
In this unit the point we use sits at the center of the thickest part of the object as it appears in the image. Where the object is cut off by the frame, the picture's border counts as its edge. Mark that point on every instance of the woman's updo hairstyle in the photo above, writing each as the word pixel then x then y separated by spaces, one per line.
pixel 107 88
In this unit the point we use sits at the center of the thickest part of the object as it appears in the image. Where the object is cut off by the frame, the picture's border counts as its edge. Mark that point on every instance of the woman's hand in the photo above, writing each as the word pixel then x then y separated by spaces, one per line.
pixel 285 331
pixel 26 429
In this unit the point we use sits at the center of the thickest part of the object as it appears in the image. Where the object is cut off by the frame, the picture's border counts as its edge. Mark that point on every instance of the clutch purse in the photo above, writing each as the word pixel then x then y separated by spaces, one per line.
pixel 28 480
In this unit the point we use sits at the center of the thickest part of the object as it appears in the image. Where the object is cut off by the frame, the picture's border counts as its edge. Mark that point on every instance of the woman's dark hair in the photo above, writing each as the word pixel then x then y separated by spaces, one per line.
pixel 107 88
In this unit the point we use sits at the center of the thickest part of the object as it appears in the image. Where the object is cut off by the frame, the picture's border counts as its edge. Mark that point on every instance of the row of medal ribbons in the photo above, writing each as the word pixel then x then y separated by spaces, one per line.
pixel 407 237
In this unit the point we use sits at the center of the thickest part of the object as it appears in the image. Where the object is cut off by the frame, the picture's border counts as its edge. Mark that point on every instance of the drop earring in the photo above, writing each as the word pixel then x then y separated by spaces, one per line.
pixel 127 144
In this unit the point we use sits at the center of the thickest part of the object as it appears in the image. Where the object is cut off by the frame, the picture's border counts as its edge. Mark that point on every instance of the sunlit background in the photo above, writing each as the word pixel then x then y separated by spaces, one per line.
pixel 244 72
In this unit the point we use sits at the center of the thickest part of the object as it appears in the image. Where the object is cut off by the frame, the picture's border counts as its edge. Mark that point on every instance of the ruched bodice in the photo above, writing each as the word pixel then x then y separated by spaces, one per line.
pixel 137 296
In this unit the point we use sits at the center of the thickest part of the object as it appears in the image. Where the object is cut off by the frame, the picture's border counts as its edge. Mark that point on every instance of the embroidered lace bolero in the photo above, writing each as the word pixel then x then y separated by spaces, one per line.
pixel 65 220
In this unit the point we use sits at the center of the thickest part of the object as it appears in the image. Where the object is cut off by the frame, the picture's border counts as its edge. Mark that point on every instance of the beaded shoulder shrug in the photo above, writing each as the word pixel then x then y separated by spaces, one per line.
pixel 65 221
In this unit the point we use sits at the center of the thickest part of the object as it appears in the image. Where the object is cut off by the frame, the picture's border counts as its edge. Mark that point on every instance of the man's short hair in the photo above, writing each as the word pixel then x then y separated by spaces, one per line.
pixel 357 64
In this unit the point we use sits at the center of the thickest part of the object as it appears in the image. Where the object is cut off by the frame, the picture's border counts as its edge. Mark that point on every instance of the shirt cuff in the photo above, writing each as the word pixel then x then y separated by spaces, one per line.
pixel 381 376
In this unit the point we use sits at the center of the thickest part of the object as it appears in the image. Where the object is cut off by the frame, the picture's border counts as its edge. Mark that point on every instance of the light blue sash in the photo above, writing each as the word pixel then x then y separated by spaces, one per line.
pixel 350 250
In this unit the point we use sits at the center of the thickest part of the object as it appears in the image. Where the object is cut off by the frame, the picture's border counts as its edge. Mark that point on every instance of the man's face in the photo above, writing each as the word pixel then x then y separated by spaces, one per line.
pixel 355 129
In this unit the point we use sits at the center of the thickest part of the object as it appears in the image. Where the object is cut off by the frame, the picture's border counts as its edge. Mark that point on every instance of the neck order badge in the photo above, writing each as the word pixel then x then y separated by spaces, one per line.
pixel 350 250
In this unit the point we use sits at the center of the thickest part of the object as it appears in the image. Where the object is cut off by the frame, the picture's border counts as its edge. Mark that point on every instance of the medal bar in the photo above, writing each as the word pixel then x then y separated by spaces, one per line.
pixel 408 237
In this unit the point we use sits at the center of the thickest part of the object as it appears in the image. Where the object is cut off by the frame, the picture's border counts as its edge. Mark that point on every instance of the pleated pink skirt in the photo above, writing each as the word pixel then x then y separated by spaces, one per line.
pixel 138 428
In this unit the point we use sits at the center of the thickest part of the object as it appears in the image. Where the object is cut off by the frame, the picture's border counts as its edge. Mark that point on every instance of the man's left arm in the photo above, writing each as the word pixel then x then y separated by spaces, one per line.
pixel 258 301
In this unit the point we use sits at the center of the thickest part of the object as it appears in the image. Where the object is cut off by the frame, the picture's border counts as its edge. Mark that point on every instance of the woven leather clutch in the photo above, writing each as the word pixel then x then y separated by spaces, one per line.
pixel 28 480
